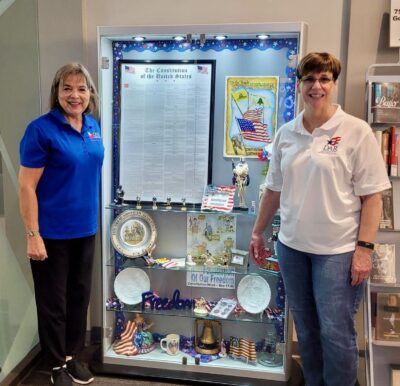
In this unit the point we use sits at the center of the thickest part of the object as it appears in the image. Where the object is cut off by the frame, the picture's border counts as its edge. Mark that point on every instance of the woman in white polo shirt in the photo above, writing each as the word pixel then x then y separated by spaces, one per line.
pixel 325 175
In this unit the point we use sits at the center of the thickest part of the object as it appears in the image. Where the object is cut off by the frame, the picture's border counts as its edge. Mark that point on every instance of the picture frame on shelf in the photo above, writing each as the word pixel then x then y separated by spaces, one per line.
pixel 239 259
pixel 384 264
pixel 388 317
pixel 394 375
pixel 387 220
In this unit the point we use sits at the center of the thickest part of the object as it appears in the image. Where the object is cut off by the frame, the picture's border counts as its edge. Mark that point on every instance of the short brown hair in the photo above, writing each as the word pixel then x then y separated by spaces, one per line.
pixel 75 69
pixel 318 62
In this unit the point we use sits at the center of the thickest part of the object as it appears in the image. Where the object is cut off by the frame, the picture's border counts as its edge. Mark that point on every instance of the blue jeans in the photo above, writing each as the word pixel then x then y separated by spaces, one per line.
pixel 323 304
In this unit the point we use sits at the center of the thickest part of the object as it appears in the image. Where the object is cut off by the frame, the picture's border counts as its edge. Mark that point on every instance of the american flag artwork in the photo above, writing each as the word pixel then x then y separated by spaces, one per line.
pixel 130 70
pixel 202 69
pixel 253 131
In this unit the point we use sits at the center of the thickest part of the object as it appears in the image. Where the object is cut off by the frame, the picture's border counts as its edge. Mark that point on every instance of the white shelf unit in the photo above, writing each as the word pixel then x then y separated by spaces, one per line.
pixel 381 354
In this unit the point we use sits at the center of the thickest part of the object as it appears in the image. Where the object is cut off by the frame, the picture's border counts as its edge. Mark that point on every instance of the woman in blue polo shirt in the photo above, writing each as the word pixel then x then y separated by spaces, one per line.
pixel 61 156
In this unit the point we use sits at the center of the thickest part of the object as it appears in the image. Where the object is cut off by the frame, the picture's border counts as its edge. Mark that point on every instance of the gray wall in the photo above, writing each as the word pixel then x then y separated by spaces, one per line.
pixel 19 101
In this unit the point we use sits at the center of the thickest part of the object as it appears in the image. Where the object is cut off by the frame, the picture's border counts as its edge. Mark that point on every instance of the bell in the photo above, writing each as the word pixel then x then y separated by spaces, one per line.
pixel 207 343
pixel 207 337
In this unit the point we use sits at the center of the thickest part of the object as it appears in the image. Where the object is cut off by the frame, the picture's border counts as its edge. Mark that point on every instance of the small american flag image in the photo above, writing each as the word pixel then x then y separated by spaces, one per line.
pixel 130 70
pixel 202 69
pixel 334 141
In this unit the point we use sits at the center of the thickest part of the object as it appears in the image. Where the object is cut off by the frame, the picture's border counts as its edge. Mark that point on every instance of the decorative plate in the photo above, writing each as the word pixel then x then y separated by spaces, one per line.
pixel 129 285
pixel 133 233
pixel 253 293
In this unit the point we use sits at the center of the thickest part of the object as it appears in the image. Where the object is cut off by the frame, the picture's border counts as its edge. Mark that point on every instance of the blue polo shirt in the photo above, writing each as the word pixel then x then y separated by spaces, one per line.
pixel 68 191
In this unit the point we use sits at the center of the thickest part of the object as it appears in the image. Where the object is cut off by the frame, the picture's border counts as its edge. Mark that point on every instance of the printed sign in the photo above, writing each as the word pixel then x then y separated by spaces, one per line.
pixel 394 23
pixel 210 279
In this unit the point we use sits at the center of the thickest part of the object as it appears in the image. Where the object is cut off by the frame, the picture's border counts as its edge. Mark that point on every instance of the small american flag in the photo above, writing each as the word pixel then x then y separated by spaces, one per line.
pixel 253 131
pixel 334 141
pixel 202 69
pixel 130 70
pixel 253 115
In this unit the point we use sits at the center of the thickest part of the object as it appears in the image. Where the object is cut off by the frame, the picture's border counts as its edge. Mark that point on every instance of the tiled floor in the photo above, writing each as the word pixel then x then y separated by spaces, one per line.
pixel 39 376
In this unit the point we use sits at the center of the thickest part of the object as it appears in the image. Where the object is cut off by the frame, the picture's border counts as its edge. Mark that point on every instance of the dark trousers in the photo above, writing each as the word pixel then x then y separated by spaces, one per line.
pixel 62 291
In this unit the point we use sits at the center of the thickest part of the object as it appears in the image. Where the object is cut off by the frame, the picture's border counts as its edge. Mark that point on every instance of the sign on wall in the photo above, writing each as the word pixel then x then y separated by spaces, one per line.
pixel 394 23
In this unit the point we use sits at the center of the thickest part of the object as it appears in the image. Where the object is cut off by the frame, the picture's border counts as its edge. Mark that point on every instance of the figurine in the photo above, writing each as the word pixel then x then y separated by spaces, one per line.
pixel 138 206
pixel 154 207
pixel 143 338
pixel 168 204
pixel 189 260
pixel 183 204
pixel 135 339
pixel 222 352
pixel 119 196
pixel 241 179
pixel 209 260
pixel 200 307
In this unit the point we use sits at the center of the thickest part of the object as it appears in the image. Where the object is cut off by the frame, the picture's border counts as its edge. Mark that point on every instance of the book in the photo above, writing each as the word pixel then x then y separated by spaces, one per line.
pixel 384 264
pixel 398 147
pixel 388 317
pixel 385 104
pixel 378 137
pixel 393 156
pixel 396 202
pixel 386 220
pixel 385 149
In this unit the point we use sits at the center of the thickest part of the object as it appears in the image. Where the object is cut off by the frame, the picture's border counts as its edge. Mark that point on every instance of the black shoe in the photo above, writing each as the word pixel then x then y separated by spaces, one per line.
pixel 79 372
pixel 60 377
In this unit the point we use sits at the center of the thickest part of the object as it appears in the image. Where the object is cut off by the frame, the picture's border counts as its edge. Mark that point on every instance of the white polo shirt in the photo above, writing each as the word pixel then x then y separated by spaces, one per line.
pixel 321 177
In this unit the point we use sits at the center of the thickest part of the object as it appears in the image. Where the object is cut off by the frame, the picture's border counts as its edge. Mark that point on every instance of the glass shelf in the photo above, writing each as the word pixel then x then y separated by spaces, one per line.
pixel 235 317
pixel 177 208
pixel 389 230
pixel 386 286
pixel 226 366
pixel 386 343
pixel 140 263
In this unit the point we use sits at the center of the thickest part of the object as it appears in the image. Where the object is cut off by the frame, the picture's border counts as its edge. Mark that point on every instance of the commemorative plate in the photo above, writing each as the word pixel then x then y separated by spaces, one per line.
pixel 129 285
pixel 254 294
pixel 133 233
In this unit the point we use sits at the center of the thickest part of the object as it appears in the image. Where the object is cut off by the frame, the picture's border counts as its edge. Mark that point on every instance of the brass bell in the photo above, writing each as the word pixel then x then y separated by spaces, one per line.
pixel 207 343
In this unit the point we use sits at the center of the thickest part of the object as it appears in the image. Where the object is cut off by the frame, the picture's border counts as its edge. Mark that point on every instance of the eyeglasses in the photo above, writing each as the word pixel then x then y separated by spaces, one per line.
pixel 310 80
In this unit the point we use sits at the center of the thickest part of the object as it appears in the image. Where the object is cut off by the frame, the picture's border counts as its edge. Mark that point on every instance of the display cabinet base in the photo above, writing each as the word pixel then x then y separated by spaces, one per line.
pixel 188 377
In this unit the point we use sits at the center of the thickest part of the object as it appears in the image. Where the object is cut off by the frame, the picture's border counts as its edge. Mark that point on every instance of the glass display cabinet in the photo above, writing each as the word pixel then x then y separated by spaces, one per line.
pixel 181 298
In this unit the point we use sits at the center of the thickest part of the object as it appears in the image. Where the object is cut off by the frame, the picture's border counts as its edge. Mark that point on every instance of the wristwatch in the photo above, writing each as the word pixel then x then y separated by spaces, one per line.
pixel 365 244
pixel 32 233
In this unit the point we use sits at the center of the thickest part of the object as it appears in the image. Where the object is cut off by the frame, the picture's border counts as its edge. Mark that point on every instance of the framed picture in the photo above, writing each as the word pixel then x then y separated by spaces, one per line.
pixel 251 104
pixel 165 111
pixel 388 317
pixel 394 375
pixel 239 259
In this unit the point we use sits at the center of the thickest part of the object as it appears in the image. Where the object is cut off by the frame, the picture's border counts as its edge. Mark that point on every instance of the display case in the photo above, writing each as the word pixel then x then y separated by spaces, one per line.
pixel 181 298
pixel 232 317
pixel 382 298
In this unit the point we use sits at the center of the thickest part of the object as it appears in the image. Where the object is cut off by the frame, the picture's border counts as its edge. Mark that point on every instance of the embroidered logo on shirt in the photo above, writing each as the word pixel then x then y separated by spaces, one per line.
pixel 332 145
pixel 94 135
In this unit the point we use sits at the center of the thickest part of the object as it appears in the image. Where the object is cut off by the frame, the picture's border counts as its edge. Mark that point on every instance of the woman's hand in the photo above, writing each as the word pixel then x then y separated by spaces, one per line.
pixel 36 249
pixel 257 248
pixel 361 265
